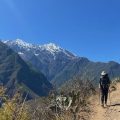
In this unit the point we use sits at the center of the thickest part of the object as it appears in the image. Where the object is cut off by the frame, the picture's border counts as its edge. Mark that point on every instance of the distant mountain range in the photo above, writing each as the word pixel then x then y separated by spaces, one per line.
pixel 60 65
pixel 16 75
pixel 49 59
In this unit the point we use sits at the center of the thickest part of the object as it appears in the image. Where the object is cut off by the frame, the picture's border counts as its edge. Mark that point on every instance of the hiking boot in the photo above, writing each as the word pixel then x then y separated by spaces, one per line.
pixel 105 105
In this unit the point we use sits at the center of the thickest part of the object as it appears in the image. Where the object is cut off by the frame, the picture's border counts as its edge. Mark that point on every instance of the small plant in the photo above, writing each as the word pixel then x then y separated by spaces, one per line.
pixel 12 108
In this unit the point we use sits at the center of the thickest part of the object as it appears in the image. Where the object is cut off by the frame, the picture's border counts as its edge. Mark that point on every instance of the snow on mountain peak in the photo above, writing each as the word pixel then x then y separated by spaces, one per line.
pixel 18 42
pixel 51 47
pixel 22 43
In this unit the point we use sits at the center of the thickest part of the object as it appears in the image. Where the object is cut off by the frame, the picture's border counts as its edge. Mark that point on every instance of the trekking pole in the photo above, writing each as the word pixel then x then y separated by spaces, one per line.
pixel 99 97
pixel 109 97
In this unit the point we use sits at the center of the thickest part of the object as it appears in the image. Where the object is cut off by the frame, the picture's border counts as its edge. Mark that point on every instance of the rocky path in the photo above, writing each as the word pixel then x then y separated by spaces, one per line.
pixel 111 112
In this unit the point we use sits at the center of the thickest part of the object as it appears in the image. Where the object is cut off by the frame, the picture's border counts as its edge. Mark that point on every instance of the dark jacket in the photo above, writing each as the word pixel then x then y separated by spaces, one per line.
pixel 104 82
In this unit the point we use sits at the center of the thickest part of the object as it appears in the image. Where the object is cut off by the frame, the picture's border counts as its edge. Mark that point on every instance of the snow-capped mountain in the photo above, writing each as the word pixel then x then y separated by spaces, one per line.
pixel 21 46
pixel 48 58
pixel 18 42
pixel 60 65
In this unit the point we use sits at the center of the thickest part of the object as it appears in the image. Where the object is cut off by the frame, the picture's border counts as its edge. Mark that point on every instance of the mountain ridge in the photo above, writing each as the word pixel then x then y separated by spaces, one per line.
pixel 43 57
pixel 46 46
pixel 51 47
pixel 62 65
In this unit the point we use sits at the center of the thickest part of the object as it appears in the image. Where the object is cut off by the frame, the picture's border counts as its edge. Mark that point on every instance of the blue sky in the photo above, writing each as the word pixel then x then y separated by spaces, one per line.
pixel 89 28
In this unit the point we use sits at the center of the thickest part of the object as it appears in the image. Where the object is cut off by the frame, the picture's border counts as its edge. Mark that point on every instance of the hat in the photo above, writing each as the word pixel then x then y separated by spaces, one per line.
pixel 103 73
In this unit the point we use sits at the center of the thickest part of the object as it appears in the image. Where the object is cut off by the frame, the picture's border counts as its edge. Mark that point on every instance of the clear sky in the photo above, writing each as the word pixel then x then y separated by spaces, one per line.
pixel 89 28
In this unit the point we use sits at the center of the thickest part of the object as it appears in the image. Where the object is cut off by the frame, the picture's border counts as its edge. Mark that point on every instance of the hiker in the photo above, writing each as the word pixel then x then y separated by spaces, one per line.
pixel 104 85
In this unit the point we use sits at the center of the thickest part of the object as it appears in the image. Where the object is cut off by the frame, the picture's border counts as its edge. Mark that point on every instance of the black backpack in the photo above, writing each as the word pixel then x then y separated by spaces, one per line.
pixel 104 82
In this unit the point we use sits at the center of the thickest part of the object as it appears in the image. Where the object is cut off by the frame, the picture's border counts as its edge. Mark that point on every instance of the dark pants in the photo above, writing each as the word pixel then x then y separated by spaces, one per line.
pixel 104 95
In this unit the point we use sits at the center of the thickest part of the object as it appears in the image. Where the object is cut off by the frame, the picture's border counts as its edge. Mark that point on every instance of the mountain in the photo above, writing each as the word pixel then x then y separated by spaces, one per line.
pixel 50 59
pixel 15 75
pixel 86 70
pixel 60 65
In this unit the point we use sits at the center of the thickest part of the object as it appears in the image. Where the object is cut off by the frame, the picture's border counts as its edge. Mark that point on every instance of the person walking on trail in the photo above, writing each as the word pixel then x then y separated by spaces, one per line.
pixel 104 85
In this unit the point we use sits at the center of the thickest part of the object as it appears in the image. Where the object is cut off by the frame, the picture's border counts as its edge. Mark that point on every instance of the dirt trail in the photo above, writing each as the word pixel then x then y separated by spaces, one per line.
pixel 112 112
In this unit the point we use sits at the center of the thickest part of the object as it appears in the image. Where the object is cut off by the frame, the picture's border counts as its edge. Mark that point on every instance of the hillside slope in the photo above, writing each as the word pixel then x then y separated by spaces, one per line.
pixel 86 69
pixel 15 74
